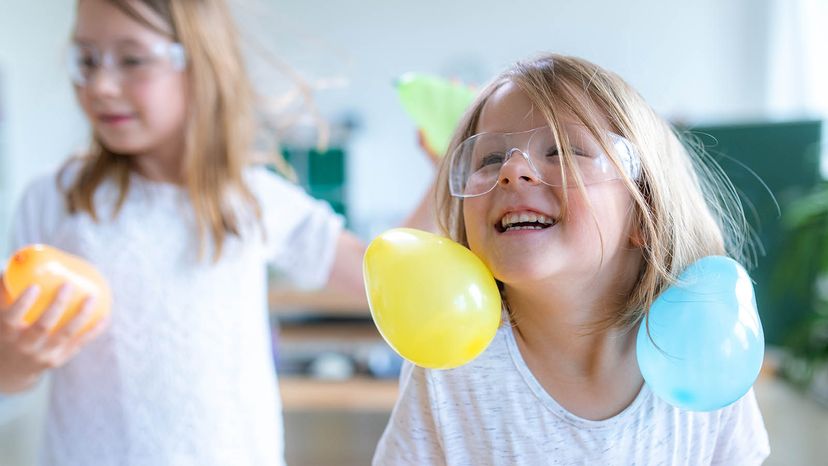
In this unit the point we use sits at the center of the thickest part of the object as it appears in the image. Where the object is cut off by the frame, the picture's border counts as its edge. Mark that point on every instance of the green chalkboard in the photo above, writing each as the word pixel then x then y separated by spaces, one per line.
pixel 785 157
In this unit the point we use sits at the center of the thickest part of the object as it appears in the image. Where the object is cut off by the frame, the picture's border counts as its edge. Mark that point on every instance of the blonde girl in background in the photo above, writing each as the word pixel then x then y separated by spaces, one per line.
pixel 585 205
pixel 167 205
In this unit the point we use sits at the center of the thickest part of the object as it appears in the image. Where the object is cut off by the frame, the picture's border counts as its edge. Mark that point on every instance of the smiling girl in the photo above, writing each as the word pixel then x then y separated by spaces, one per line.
pixel 584 205
pixel 167 205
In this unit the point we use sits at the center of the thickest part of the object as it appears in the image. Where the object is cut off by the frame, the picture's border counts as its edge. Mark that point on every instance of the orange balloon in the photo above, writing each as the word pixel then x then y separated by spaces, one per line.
pixel 49 268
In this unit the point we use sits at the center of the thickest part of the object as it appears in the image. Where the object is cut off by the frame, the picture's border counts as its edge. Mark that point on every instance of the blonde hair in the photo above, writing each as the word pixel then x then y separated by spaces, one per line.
pixel 685 208
pixel 219 127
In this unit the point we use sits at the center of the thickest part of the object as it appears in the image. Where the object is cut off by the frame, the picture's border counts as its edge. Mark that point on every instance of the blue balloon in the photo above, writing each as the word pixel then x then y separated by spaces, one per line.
pixel 706 343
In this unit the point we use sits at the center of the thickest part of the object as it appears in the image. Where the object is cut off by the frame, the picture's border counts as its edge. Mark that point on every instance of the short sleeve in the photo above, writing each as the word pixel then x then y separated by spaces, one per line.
pixel 411 436
pixel 742 440
pixel 38 210
pixel 301 232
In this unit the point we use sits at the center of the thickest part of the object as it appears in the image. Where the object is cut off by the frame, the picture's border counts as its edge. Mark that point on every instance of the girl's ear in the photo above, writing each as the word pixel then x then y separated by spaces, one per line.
pixel 637 236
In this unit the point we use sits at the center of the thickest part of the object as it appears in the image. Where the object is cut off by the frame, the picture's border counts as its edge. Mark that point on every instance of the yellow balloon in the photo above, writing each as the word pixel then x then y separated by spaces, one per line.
pixel 432 299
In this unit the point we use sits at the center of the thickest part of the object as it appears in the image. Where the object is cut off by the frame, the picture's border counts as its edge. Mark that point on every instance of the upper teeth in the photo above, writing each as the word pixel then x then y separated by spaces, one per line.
pixel 525 217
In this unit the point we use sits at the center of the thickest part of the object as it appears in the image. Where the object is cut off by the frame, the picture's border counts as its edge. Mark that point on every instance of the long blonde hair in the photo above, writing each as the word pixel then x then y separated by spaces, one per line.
pixel 219 127
pixel 685 208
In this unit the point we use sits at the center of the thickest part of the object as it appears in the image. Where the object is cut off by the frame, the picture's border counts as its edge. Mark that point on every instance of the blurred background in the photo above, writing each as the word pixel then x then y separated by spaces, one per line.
pixel 749 77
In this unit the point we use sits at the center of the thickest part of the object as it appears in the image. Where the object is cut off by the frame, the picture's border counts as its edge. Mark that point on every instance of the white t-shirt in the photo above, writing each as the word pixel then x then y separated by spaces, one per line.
pixel 184 375
pixel 493 411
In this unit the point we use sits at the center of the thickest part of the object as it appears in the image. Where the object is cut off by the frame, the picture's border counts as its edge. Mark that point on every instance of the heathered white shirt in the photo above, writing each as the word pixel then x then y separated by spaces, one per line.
pixel 184 375
pixel 493 411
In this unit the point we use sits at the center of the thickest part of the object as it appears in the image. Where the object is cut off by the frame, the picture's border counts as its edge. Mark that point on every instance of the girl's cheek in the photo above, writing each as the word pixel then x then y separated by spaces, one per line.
pixel 473 216
pixel 140 95
pixel 162 102
pixel 83 101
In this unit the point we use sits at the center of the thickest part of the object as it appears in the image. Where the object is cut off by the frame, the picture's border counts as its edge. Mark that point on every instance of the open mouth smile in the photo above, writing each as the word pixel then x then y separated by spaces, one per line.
pixel 524 220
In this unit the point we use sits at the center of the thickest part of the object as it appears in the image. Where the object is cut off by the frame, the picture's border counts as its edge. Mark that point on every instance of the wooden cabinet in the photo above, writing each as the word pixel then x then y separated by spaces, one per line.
pixel 324 327
pixel 329 421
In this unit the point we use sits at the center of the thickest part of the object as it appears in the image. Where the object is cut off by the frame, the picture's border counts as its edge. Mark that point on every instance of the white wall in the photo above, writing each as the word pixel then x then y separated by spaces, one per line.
pixel 40 124
pixel 701 60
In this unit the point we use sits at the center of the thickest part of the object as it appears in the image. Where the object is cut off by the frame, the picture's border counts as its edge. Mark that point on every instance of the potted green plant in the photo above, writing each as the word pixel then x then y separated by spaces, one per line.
pixel 803 271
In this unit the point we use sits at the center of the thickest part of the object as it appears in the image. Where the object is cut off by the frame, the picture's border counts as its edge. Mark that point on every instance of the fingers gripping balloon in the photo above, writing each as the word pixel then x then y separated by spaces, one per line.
pixel 49 268
pixel 432 299
pixel 436 106
pixel 709 342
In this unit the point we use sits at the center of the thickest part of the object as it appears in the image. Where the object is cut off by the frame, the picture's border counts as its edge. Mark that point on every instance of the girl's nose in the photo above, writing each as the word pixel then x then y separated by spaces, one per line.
pixel 104 82
pixel 517 167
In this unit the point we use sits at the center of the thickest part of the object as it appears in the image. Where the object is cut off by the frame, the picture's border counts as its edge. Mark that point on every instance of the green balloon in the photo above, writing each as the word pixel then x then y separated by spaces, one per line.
pixel 435 104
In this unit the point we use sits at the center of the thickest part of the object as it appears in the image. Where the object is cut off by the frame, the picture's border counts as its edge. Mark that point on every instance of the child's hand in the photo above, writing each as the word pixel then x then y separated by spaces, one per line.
pixel 26 351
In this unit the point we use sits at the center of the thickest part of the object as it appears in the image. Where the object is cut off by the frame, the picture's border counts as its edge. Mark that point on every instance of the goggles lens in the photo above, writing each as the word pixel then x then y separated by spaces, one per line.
pixel 130 64
pixel 476 163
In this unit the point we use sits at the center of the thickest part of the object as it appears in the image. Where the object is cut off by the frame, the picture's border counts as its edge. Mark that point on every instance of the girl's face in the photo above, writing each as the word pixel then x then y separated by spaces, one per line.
pixel 133 94
pixel 566 250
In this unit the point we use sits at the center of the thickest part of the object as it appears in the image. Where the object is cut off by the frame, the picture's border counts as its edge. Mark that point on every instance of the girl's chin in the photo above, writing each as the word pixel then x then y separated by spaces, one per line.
pixel 521 277
pixel 121 145
pixel 534 274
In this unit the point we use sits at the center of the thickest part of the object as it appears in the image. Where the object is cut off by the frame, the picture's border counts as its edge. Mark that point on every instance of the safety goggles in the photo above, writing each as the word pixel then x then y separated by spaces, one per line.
pixel 129 64
pixel 475 164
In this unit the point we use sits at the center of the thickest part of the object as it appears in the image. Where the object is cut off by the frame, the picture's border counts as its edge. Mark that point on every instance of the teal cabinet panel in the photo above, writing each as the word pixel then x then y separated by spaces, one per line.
pixel 322 173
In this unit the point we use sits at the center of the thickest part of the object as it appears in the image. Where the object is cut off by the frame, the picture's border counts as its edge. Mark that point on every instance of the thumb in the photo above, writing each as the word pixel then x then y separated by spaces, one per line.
pixel 5 296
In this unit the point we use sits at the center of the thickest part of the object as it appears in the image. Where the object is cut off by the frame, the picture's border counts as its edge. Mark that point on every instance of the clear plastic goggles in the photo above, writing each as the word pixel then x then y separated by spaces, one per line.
pixel 130 64
pixel 475 164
